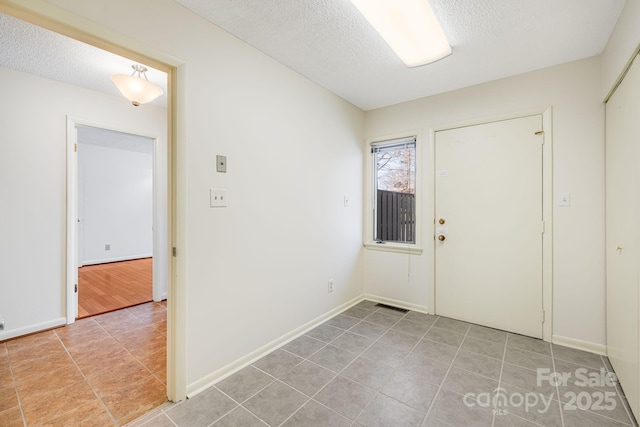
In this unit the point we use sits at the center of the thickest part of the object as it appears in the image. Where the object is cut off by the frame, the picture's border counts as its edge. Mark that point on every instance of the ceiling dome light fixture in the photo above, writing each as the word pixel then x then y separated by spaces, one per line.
pixel 409 27
pixel 135 88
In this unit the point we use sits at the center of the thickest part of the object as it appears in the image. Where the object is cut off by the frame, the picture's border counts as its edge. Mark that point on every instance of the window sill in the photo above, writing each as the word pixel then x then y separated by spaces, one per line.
pixel 394 247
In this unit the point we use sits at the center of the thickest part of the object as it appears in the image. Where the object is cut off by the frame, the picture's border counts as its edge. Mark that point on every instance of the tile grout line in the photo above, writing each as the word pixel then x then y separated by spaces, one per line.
pixel 129 351
pixel 93 319
pixel 504 360
pixel 297 410
pixel 394 369
pixel 553 365
pixel 557 398
pixel 337 374
pixel 622 397
pixel 377 391
pixel 152 415
pixel 239 403
pixel 15 387
pixel 446 373
pixel 504 357
pixel 115 422
pixel 389 328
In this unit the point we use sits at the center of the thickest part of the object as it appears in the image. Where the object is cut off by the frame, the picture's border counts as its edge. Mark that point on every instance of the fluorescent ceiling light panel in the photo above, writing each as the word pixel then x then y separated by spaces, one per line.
pixel 409 26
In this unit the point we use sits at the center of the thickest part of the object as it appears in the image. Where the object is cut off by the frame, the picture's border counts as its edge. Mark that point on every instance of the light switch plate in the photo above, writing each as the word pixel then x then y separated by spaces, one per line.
pixel 218 198
pixel 221 164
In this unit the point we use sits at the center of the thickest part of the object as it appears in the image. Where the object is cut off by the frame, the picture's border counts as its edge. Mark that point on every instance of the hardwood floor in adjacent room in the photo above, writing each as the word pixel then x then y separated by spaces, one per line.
pixel 112 286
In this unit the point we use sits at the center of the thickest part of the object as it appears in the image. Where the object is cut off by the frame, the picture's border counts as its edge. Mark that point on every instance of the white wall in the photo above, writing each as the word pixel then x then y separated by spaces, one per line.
pixel 573 90
pixel 622 44
pixel 258 269
pixel 33 114
pixel 115 201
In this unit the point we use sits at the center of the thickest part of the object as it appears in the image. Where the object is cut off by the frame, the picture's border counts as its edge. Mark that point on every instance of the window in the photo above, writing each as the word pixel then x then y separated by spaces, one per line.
pixel 393 194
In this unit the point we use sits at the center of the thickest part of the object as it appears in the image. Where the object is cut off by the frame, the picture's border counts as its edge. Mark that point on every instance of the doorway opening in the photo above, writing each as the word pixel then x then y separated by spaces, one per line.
pixel 100 37
pixel 115 214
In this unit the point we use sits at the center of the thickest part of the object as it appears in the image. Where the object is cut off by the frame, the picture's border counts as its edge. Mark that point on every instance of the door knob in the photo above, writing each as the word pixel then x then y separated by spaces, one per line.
pixel 441 221
pixel 441 237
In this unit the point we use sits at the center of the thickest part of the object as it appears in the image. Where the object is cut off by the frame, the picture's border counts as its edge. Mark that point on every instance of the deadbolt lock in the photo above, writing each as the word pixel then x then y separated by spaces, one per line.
pixel 441 237
pixel 441 221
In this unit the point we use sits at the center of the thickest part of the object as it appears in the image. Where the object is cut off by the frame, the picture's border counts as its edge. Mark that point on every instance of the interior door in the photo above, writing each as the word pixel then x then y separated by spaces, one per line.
pixel 622 155
pixel 488 213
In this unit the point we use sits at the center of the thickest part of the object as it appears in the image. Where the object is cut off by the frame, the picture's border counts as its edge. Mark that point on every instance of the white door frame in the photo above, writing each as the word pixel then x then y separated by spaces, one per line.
pixel 41 13
pixel 160 214
pixel 547 205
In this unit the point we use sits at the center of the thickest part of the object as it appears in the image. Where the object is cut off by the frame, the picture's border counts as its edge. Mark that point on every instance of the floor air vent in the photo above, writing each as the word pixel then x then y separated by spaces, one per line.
pixel 390 307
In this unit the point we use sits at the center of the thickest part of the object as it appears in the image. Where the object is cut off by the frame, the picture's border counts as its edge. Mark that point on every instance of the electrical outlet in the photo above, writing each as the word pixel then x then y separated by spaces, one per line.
pixel 218 198
pixel 330 285
pixel 1 324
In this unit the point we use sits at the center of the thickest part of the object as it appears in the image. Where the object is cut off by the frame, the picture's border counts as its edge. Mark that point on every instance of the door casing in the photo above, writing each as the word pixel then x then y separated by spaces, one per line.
pixel 160 214
pixel 46 15
pixel 547 204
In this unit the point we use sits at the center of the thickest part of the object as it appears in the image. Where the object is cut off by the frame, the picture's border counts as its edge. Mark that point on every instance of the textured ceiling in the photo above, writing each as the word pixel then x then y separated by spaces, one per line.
pixel 329 42
pixel 31 49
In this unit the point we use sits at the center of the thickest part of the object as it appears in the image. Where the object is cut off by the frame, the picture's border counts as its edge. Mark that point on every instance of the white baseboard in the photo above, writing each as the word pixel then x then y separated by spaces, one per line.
pixel 580 345
pixel 13 333
pixel 222 373
pixel 397 303
pixel 163 296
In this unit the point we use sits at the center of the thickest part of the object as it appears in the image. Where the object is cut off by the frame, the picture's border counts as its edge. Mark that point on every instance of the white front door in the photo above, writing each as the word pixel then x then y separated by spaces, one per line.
pixel 488 213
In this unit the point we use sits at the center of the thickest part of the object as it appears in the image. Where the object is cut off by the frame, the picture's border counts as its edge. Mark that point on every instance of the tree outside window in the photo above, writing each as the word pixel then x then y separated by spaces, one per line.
pixel 394 190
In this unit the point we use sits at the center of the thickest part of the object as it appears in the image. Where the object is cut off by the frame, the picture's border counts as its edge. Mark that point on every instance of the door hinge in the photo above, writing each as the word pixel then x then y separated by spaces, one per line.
pixel 542 227
pixel 75 288
pixel 75 148
pixel 543 316
pixel 174 252
pixel 540 132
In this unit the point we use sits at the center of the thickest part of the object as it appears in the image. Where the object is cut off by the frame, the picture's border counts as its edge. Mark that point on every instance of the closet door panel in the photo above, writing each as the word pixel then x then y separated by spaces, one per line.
pixel 623 186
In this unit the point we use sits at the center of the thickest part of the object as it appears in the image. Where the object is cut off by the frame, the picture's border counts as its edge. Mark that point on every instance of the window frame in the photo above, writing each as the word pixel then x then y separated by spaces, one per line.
pixel 369 207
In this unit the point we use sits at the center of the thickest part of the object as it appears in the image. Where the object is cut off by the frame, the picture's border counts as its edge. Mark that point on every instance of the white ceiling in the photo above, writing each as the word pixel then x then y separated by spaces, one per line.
pixel 34 50
pixel 329 42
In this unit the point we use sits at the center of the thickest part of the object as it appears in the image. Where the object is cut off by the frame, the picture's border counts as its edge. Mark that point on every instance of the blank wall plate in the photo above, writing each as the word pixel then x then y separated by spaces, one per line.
pixel 564 200
pixel 221 164
pixel 218 198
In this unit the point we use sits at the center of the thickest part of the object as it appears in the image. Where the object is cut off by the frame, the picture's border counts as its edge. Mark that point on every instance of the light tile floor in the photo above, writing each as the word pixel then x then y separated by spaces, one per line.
pixel 372 366
pixel 100 371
